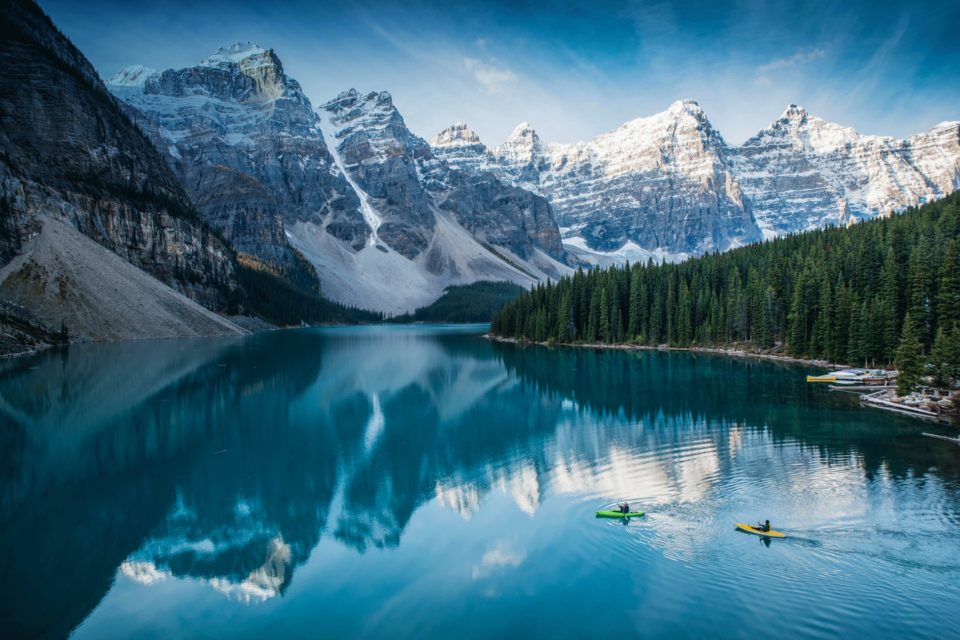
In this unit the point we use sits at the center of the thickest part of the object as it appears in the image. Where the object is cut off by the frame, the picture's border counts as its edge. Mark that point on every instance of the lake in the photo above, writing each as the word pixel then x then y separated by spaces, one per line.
pixel 420 481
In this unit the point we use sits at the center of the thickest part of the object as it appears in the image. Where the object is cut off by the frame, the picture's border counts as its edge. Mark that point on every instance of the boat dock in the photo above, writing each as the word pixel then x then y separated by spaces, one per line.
pixel 878 400
pixel 877 388
pixel 956 440
pixel 859 387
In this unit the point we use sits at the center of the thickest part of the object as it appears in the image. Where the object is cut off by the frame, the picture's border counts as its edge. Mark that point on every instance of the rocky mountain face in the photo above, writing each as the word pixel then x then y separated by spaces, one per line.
pixel 386 223
pixel 669 186
pixel 405 178
pixel 69 154
pixel 802 172
pixel 656 186
pixel 491 207
pixel 246 143
pixel 431 224
pixel 381 157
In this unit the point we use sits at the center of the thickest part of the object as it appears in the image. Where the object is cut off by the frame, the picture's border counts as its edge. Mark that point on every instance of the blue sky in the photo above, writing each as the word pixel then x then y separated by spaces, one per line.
pixel 573 69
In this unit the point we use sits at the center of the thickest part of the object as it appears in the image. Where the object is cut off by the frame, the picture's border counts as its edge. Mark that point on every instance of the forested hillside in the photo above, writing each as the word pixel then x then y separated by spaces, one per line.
pixel 843 294
pixel 474 302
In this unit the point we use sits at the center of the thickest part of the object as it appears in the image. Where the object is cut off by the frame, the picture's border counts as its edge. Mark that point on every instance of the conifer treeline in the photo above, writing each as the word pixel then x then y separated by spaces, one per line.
pixel 840 294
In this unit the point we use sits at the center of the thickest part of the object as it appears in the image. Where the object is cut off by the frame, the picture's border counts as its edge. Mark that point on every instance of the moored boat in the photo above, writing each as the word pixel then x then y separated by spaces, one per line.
pixel 855 376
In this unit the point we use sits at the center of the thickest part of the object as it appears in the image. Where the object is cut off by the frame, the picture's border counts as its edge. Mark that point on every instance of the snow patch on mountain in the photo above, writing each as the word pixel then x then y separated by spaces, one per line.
pixel 133 76
pixel 233 54
pixel 370 215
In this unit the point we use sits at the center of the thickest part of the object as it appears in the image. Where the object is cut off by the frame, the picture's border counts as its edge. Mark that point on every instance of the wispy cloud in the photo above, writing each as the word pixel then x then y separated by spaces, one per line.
pixel 492 78
pixel 765 71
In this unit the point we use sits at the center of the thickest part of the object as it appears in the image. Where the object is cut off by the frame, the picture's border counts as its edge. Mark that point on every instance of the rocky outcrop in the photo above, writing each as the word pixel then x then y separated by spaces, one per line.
pixel 431 224
pixel 67 280
pixel 108 181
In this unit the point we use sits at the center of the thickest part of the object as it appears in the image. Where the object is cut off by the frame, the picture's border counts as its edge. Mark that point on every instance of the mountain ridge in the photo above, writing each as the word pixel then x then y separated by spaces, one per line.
pixel 809 188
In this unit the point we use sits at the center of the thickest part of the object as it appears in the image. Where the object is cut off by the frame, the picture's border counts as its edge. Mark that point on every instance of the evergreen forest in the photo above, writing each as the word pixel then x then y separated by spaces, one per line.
pixel 877 293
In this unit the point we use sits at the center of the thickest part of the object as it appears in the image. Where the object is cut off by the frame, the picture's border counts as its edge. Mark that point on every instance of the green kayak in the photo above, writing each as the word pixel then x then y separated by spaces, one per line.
pixel 619 514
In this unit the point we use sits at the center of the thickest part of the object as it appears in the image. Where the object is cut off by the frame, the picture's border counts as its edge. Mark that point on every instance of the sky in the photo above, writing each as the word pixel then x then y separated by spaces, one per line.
pixel 572 69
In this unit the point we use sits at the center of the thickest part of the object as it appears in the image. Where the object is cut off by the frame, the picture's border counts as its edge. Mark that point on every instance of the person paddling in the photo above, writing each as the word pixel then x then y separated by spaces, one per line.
pixel 765 527
pixel 624 507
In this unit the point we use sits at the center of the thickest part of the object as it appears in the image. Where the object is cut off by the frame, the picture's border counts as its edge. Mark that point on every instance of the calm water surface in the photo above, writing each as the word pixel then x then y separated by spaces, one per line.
pixel 422 482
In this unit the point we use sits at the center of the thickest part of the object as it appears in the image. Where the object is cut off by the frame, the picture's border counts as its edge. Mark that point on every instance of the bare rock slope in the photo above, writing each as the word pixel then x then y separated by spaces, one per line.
pixel 67 279
pixel 70 159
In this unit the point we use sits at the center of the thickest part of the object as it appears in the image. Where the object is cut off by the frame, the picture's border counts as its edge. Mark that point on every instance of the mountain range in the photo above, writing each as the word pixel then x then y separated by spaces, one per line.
pixel 385 223
pixel 668 186
pixel 170 185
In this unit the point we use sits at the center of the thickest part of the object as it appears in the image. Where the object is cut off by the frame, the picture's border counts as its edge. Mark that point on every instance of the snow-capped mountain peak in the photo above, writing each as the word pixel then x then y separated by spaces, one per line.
pixel 522 131
pixel 685 107
pixel 461 148
pixel 806 130
pixel 803 172
pixel 456 135
pixel 520 156
pixel 794 113
pixel 233 54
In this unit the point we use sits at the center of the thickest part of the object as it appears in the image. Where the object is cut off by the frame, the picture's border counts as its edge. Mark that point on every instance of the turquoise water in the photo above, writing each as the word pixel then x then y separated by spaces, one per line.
pixel 421 482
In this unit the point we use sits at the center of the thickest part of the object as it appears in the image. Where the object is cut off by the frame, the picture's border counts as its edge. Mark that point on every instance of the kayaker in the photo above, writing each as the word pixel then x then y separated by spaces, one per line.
pixel 765 527
pixel 624 507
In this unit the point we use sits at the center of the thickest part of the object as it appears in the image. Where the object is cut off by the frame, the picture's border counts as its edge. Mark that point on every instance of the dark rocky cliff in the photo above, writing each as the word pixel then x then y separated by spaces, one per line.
pixel 67 150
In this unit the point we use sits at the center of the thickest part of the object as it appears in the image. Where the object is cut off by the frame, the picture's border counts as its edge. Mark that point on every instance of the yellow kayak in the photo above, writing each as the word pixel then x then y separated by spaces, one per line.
pixel 754 530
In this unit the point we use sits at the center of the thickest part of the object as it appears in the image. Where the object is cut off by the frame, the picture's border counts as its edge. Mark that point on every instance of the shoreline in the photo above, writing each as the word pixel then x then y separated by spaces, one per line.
pixel 723 351
pixel 730 352
pixel 249 332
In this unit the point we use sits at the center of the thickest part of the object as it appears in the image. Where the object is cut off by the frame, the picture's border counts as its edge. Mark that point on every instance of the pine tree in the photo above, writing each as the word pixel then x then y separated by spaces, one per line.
pixel 764 332
pixel 797 320
pixel 633 314
pixel 948 294
pixel 855 352
pixel 564 319
pixel 593 325
pixel 605 334
pixel 919 285
pixel 891 292
pixel 945 356
pixel 684 323
pixel 909 359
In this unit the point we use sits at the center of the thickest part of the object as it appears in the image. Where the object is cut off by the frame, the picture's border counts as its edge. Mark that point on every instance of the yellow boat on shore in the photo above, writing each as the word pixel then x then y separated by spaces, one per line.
pixel 854 376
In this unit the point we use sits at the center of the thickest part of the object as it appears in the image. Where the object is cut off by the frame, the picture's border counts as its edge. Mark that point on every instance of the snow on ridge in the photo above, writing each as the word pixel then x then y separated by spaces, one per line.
pixel 233 54
pixel 521 130
pixel 370 215
pixel 456 135
pixel 134 75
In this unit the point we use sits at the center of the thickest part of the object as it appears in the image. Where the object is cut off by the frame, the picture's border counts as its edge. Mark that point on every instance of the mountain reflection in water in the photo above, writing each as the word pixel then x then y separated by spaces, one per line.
pixel 227 461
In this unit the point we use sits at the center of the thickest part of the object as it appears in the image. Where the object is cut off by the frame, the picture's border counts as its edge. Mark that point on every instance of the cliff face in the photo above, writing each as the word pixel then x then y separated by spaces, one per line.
pixel 68 151
pixel 802 172
pixel 492 208
pixel 382 156
pixel 247 145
